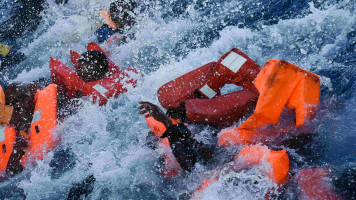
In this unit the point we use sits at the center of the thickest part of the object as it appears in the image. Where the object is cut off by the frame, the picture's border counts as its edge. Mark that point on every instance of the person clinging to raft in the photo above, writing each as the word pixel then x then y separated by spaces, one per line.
pixel 21 110
pixel 119 19
pixel 94 74
pixel 91 66
pixel 282 88
pixel 187 150
pixel 16 111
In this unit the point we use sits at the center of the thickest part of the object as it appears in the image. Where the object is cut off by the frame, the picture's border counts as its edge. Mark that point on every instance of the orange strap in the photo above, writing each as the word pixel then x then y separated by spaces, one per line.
pixel 25 135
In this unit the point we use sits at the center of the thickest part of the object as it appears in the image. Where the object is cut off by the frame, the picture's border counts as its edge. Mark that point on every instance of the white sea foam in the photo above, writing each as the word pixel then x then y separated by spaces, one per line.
pixel 109 141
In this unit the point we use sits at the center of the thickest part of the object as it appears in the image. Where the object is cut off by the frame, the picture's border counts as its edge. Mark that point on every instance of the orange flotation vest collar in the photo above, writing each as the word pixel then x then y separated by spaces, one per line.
pixel 101 90
pixel 40 138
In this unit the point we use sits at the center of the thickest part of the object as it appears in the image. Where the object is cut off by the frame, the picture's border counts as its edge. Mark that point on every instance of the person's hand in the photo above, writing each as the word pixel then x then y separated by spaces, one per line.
pixel 153 110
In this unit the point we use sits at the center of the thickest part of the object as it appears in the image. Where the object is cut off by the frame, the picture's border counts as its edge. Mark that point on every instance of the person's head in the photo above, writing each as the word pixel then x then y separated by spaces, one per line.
pixel 21 97
pixel 16 93
pixel 122 13
pixel 92 65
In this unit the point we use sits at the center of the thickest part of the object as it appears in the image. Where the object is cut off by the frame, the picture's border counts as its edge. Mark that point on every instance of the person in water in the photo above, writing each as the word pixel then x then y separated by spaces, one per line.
pixel 186 149
pixel 16 111
pixel 92 65
pixel 17 105
pixel 119 19
pixel 278 81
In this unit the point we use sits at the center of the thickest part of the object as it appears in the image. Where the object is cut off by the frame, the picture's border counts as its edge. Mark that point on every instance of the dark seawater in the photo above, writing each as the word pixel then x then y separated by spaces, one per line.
pixel 172 38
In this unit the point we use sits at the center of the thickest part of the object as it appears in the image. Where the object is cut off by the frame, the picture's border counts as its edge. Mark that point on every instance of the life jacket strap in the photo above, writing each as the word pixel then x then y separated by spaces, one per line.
pixel 25 135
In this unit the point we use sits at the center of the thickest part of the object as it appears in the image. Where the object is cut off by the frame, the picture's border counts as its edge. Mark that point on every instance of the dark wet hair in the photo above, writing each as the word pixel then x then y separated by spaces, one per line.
pixel 92 65
pixel 122 13
pixel 16 92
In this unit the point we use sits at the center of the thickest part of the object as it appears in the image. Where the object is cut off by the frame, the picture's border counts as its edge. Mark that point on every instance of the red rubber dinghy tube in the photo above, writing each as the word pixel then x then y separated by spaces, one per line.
pixel 199 90
pixel 69 83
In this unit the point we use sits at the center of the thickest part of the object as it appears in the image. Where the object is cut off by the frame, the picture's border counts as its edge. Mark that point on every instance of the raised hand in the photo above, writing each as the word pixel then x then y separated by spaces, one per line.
pixel 153 110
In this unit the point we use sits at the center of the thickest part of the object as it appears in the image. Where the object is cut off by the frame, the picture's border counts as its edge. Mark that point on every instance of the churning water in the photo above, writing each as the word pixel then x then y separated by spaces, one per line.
pixel 171 38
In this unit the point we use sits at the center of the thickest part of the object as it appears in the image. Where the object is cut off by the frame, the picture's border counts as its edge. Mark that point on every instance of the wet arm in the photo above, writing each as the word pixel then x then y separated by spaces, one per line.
pixel 185 148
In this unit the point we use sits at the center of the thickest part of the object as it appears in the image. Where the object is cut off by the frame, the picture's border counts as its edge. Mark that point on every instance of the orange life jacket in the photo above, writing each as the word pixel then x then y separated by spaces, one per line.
pixel 40 138
pixel 280 85
pixel 233 67
pixel 255 155
pixel 7 140
pixel 101 90
pixel 44 121
pixel 258 155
